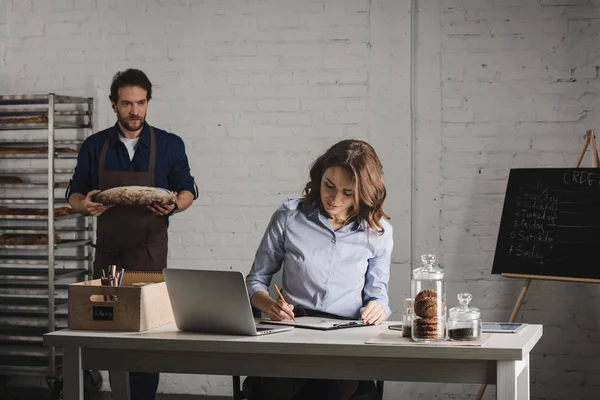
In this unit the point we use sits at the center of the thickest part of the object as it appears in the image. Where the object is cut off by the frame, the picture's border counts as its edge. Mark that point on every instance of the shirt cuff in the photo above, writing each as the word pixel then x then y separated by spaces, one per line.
pixel 256 287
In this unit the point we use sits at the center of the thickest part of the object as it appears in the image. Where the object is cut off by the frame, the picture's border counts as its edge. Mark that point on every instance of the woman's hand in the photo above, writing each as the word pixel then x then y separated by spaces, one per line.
pixel 96 209
pixel 372 313
pixel 280 311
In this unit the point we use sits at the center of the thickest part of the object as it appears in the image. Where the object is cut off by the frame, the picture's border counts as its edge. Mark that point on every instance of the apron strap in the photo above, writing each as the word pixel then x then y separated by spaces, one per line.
pixel 102 162
pixel 152 162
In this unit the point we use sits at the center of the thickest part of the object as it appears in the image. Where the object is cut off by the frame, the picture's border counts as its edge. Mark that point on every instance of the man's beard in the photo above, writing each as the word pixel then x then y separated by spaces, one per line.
pixel 131 125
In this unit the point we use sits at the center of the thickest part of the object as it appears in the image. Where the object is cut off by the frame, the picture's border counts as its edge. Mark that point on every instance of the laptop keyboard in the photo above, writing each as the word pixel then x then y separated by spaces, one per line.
pixel 262 329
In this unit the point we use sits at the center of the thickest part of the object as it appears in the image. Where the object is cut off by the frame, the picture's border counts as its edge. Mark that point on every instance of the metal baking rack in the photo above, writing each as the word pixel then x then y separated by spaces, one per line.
pixel 34 277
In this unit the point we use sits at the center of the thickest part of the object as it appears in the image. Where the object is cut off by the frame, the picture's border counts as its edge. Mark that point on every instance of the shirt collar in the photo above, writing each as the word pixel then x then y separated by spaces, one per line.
pixel 313 212
pixel 144 136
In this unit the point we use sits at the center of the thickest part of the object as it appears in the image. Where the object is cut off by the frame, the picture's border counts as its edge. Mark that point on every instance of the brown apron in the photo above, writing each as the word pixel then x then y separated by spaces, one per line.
pixel 130 237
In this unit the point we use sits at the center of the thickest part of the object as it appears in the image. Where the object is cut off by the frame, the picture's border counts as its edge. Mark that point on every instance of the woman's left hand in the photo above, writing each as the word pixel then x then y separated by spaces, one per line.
pixel 372 313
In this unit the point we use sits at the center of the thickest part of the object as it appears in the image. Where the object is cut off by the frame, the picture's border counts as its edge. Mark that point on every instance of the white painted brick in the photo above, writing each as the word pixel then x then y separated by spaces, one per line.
pixel 294 119
pixel 352 77
pixel 345 117
pixel 323 105
pixel 279 105
pixel 233 105
pixel 312 78
pixel 347 6
pixel 564 2
pixel 347 91
pixel 26 29
pixel 354 33
pixel 480 43
pixel 301 91
pixel 515 3
pixel 259 91
pixel 63 28
pixel 453 15
pixel 259 79
pixel 83 4
pixel 347 62
pixel 20 6
pixel 358 104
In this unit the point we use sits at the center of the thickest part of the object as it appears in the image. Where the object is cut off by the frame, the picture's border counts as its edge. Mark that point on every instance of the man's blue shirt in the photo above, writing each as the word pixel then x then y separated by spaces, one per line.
pixel 171 171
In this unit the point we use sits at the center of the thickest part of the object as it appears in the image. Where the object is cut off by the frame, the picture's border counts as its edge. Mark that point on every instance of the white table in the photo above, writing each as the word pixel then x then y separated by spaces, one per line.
pixel 502 360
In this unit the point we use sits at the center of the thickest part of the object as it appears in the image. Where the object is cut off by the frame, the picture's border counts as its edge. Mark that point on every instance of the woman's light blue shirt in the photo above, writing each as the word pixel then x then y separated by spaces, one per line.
pixel 336 272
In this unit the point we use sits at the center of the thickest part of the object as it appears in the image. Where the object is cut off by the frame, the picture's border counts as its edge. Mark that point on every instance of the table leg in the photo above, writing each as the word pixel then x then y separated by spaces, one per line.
pixel 72 374
pixel 119 385
pixel 506 380
pixel 523 380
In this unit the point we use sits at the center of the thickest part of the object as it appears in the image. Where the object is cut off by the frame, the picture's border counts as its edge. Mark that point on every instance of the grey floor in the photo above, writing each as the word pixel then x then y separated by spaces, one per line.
pixel 12 393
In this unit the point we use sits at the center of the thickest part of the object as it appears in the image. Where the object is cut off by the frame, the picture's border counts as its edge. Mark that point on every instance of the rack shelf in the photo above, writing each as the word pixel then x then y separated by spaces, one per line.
pixel 37 142
pixel 37 275
pixel 35 171
pixel 39 217
pixel 34 278
pixel 16 200
pixel 35 112
pixel 40 155
pixel 41 229
pixel 41 125
pixel 36 260
pixel 39 99
pixel 64 244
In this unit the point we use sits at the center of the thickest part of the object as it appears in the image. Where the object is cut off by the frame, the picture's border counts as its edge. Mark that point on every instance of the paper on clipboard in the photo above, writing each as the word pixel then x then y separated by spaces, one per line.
pixel 324 324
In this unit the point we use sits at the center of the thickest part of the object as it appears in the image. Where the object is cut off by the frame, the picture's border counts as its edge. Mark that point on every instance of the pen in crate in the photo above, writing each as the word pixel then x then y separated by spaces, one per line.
pixel 111 277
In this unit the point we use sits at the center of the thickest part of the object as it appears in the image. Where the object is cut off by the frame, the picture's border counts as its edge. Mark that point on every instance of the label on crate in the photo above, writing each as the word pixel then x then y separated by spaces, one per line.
pixel 102 313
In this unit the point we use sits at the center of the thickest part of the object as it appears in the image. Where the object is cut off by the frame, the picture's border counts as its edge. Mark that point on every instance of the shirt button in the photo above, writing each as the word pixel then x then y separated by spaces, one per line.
pixel 333 240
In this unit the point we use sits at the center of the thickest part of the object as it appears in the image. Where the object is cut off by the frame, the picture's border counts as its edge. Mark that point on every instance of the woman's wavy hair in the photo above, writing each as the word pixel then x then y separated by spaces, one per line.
pixel 358 158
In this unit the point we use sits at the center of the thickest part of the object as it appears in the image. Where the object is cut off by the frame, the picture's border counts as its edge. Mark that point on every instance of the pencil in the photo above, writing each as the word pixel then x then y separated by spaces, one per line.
pixel 282 299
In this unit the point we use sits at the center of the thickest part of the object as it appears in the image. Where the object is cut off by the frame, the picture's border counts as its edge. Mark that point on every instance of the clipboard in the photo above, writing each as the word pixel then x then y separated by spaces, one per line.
pixel 319 323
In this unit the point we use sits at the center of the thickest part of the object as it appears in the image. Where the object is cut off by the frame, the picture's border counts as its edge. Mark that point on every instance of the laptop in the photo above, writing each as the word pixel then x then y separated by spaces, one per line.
pixel 213 302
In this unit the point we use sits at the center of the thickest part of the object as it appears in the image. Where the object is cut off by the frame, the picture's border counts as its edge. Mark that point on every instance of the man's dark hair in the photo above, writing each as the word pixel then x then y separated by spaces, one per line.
pixel 130 77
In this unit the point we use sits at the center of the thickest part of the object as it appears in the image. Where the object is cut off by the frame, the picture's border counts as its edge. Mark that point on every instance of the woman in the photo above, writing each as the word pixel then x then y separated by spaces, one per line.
pixel 335 247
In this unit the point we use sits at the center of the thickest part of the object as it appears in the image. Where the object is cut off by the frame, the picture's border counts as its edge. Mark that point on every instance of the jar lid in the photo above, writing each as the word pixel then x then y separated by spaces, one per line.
pixel 429 270
pixel 408 303
pixel 464 312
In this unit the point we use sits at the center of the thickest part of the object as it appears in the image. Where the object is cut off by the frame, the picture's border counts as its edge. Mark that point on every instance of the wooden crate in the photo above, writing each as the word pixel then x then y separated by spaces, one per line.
pixel 126 308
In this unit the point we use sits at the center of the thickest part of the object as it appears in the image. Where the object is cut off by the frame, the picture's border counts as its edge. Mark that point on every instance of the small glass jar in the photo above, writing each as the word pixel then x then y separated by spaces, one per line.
pixel 464 321
pixel 407 318
pixel 428 291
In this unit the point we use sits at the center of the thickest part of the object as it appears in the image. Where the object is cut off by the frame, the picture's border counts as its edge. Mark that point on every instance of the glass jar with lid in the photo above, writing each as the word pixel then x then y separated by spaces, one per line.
pixel 464 321
pixel 428 291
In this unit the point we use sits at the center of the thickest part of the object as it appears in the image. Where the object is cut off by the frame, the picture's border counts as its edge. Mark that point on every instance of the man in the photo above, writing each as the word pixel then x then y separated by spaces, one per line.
pixel 132 153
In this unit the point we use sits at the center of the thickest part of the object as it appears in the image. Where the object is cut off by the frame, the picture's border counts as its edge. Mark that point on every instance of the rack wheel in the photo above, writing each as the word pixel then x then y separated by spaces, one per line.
pixel 55 386
pixel 92 381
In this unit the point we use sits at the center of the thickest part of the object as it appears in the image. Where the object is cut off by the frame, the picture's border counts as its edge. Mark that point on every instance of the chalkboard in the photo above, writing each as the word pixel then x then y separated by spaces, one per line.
pixel 550 224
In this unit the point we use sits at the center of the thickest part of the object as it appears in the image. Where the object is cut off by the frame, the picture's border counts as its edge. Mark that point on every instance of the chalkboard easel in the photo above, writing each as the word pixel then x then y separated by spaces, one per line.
pixel 590 141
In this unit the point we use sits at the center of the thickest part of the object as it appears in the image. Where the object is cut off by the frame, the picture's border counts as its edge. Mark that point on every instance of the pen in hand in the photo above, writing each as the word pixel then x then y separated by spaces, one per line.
pixel 282 299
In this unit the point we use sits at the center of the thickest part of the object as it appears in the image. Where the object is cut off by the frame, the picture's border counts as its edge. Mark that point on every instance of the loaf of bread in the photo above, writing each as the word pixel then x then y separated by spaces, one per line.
pixel 25 120
pixel 135 195
pixel 58 212
pixel 26 239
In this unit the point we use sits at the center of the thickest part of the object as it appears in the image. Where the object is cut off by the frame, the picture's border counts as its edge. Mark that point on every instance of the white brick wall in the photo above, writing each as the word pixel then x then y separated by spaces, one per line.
pixel 258 88
pixel 519 86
